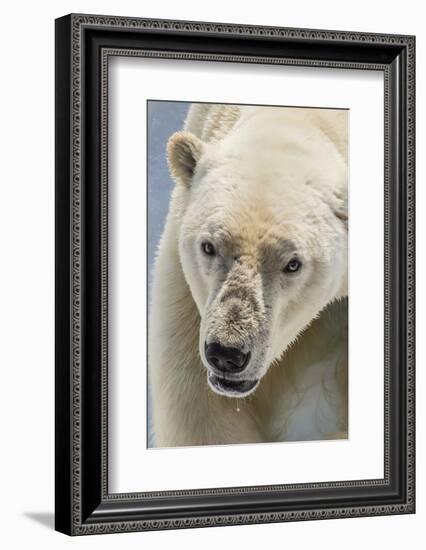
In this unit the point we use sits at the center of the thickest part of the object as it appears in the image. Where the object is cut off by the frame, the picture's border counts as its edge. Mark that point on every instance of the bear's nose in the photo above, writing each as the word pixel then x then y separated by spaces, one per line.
pixel 225 359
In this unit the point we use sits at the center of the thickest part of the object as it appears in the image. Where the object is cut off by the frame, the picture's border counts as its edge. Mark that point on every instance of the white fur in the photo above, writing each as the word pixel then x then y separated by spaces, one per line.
pixel 249 179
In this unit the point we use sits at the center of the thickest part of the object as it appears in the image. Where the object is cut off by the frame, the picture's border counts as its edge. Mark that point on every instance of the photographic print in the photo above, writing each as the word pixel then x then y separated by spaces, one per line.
pixel 248 273
pixel 234 274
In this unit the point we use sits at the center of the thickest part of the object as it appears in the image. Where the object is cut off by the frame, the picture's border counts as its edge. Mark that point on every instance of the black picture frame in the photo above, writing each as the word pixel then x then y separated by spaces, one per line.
pixel 83 44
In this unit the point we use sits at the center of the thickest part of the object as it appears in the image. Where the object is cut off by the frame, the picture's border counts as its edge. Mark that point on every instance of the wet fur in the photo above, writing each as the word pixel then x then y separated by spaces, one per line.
pixel 303 394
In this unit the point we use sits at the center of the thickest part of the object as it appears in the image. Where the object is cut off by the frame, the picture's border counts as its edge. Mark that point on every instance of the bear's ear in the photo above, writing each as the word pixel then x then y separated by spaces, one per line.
pixel 184 150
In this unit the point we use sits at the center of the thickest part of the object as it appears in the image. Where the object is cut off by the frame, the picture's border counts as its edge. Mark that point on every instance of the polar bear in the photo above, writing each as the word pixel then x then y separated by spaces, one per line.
pixel 248 320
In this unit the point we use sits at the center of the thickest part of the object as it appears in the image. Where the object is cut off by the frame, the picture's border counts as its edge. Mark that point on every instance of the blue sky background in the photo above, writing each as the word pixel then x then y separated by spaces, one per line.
pixel 164 118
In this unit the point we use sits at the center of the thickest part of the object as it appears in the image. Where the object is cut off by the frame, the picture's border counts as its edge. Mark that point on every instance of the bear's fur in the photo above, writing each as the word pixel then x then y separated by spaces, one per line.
pixel 262 186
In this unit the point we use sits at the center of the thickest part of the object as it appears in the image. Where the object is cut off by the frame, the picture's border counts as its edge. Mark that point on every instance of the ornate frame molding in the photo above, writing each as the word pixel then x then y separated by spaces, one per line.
pixel 73 90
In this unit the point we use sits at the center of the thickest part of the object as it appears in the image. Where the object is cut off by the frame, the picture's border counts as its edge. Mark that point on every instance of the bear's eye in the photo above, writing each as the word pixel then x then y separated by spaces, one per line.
pixel 293 266
pixel 208 248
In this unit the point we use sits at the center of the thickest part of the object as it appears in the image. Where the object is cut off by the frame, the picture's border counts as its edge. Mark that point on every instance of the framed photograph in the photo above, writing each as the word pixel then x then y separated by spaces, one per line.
pixel 234 274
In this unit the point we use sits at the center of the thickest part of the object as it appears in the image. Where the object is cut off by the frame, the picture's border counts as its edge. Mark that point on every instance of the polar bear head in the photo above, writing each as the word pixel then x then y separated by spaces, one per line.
pixel 262 217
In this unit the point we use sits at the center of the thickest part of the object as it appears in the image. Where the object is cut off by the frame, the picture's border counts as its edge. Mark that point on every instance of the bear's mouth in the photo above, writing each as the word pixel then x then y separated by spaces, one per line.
pixel 231 388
